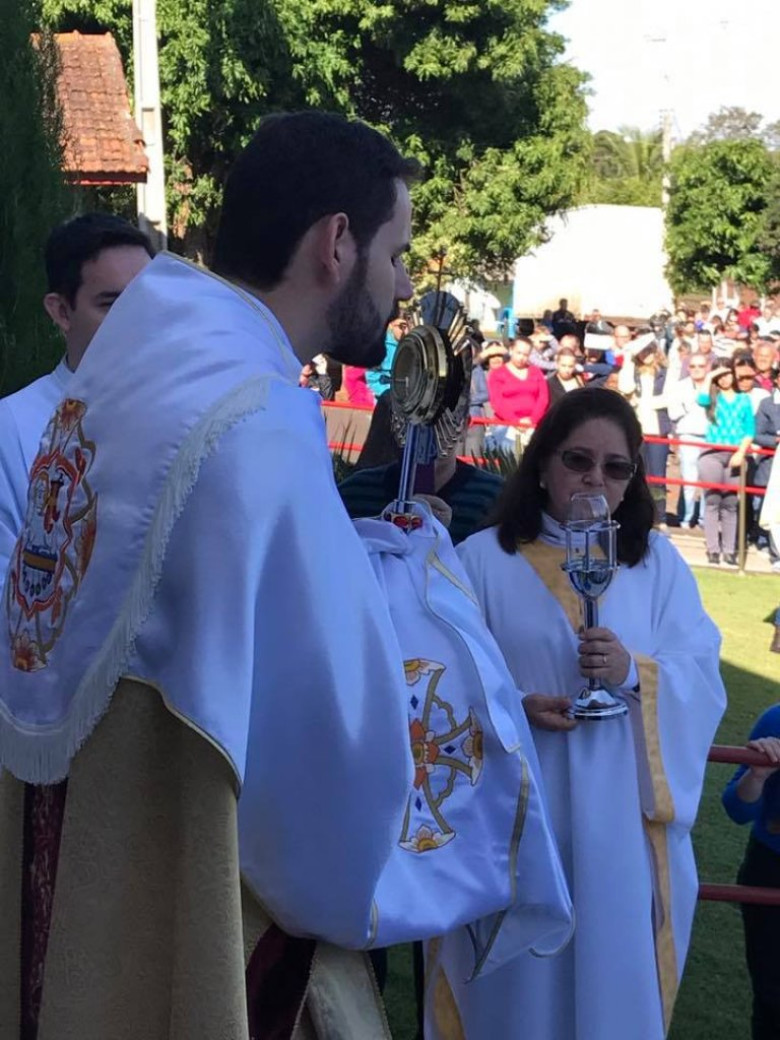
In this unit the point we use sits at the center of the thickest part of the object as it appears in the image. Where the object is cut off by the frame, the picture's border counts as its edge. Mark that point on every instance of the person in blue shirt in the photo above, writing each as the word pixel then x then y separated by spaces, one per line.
pixel 731 427
pixel 753 796
pixel 378 379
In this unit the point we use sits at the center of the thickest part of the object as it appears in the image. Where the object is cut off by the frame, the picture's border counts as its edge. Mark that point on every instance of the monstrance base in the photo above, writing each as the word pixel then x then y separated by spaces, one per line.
pixel 598 704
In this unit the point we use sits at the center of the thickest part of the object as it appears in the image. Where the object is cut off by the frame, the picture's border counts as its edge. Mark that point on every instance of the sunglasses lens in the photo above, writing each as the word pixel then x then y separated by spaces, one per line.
pixel 615 469
pixel 619 470
pixel 577 461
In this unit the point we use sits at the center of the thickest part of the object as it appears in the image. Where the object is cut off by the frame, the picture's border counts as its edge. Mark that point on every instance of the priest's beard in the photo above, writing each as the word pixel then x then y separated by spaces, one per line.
pixel 356 329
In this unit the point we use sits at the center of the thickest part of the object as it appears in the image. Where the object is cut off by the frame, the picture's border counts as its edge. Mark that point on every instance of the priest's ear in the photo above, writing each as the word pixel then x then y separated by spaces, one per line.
pixel 58 309
pixel 335 247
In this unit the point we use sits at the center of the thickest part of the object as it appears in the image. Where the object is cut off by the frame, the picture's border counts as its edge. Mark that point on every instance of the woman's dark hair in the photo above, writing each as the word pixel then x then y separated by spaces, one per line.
pixel 298 168
pixel 518 513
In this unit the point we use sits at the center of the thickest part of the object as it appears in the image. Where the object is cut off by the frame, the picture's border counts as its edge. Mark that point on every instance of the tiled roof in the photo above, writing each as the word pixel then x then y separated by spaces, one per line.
pixel 103 145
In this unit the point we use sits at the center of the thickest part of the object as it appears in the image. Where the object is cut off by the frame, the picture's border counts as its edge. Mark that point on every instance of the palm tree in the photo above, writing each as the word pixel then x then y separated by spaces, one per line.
pixel 627 167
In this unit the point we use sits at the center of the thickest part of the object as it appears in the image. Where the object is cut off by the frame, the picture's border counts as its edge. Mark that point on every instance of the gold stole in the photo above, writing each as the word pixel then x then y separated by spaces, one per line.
pixel 546 561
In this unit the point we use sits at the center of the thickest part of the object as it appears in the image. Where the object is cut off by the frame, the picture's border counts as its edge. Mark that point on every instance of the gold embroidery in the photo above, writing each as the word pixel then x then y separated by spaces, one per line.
pixel 445 1011
pixel 546 560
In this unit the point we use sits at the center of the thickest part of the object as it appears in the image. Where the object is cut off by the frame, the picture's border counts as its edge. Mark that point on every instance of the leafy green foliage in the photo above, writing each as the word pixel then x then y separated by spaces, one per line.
pixel 716 214
pixel 474 90
pixel 626 168
pixel 33 195
pixel 769 233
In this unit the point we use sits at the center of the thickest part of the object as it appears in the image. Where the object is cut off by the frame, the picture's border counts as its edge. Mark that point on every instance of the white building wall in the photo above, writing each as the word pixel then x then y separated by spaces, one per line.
pixel 609 258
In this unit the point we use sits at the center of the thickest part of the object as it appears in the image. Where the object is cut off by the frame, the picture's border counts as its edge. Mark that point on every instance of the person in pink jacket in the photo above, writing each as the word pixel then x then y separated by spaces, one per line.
pixel 358 392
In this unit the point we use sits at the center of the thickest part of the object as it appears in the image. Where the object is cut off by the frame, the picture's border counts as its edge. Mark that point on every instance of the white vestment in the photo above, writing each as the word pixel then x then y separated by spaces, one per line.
pixel 23 418
pixel 183 527
pixel 623 793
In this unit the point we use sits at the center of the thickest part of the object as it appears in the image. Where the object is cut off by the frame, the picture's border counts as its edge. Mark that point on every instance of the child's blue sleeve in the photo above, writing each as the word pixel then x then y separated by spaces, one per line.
pixel 767 725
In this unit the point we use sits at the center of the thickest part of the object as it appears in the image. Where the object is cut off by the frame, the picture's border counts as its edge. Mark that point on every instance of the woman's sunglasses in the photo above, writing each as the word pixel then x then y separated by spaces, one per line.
pixel 580 462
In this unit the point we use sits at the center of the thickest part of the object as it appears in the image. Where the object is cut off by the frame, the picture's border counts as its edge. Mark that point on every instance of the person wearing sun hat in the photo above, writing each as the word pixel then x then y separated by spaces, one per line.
pixel 730 423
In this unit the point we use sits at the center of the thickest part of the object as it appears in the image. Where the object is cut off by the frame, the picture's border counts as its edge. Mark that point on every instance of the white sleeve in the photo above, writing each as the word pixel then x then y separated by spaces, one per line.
pixel 300 641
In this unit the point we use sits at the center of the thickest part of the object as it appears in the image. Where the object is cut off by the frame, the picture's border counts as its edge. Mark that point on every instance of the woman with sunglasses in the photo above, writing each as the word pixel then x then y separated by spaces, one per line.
pixel 731 427
pixel 623 792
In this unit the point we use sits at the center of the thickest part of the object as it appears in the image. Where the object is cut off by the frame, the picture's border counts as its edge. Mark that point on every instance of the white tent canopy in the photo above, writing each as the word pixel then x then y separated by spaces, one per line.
pixel 609 258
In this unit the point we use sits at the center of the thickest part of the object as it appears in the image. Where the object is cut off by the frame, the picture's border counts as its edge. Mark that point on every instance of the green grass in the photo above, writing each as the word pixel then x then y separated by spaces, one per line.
pixel 714 1001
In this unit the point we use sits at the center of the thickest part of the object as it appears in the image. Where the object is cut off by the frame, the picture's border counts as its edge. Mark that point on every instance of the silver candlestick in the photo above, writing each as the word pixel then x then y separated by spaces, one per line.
pixel 591 563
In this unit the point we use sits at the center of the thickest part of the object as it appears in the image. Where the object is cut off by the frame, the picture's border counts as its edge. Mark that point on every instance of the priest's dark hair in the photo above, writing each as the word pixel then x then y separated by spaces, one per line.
pixel 298 168
pixel 72 244
pixel 518 512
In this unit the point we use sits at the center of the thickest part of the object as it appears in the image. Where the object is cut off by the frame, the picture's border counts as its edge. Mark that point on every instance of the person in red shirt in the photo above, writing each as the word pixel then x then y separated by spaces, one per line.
pixel 518 393
pixel 748 313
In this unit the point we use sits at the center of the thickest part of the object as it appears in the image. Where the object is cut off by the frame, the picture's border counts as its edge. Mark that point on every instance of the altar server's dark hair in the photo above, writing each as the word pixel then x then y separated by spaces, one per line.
pixel 518 512
pixel 83 238
pixel 298 168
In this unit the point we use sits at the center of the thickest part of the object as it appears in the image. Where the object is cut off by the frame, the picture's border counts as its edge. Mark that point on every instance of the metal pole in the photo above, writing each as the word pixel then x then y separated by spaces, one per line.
pixel 151 195
pixel 742 521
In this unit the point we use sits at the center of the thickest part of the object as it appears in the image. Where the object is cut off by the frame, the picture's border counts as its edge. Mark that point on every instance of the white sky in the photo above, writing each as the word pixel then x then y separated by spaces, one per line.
pixel 714 53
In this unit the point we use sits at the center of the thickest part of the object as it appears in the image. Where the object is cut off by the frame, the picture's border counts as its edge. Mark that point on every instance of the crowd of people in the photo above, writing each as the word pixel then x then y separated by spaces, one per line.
pixel 243 738
pixel 708 378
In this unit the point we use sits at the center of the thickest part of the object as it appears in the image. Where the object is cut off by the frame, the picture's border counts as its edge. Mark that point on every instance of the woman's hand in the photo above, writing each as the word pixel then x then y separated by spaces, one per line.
pixel 603 656
pixel 736 459
pixel 548 712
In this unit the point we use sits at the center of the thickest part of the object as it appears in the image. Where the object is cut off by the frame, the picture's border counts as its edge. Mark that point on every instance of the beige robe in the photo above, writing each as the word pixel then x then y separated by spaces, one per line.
pixel 151 927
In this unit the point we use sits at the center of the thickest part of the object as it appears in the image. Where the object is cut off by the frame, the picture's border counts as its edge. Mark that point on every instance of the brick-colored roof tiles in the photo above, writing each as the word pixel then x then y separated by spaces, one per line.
pixel 103 145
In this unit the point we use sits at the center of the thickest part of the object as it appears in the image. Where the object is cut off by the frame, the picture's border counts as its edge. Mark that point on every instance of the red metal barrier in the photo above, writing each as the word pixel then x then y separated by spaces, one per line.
pixel 730 755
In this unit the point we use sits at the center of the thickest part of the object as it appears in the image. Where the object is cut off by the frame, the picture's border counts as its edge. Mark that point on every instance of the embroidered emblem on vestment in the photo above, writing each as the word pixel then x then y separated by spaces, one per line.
pixel 53 551
pixel 447 755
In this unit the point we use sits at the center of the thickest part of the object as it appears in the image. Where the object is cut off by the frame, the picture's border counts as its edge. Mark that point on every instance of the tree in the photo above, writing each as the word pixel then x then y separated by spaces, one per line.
pixel 33 195
pixel 626 168
pixel 715 214
pixel 729 123
pixel 768 240
pixel 475 90
pixel 771 136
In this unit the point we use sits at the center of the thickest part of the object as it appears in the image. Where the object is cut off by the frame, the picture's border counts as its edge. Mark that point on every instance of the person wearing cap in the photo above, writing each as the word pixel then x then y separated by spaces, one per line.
pixel 599 353
pixel 731 427
pixel 544 349
pixel 642 380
